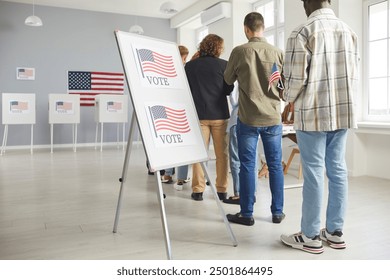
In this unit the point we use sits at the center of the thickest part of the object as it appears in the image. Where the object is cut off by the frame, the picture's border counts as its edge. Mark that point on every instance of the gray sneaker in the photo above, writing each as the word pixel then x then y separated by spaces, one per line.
pixel 304 243
pixel 335 240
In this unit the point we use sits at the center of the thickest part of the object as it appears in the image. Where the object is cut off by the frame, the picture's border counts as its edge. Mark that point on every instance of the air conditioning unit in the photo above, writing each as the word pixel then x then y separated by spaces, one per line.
pixel 217 12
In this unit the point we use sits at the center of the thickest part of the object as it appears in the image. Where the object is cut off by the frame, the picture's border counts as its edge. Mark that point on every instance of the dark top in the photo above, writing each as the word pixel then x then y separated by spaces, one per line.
pixel 208 88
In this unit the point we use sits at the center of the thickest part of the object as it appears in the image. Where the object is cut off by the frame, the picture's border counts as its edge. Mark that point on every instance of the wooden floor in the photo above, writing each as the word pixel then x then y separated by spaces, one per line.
pixel 61 206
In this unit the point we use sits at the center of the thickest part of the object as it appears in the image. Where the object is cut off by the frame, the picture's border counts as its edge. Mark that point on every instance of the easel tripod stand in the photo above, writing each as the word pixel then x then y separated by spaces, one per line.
pixel 160 195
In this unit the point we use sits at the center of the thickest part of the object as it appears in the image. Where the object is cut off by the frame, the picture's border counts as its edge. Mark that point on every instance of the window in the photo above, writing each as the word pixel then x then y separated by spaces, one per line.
pixel 273 13
pixel 201 33
pixel 377 55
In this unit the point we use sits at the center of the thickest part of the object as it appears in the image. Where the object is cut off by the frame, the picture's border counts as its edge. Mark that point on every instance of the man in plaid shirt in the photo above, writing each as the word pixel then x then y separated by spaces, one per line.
pixel 321 77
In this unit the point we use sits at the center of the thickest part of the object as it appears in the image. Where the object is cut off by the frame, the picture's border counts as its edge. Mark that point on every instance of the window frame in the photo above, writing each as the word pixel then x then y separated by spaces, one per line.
pixel 367 117
pixel 278 27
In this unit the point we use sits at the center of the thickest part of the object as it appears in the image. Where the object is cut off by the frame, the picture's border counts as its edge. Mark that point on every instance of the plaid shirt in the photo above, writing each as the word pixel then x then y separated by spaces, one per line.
pixel 321 72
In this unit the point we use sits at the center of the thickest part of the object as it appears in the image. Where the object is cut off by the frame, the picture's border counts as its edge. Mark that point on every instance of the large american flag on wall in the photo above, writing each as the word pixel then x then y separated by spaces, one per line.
pixel 89 84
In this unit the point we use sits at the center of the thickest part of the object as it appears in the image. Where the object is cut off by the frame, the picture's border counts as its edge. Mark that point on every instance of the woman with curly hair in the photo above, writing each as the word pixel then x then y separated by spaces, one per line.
pixel 209 91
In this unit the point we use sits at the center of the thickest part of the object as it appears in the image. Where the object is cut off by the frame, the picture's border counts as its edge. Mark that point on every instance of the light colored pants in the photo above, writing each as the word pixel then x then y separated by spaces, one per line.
pixel 322 151
pixel 217 130
pixel 182 172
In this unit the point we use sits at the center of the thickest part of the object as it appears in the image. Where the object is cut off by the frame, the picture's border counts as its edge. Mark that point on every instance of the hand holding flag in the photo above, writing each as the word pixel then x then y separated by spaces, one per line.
pixel 275 76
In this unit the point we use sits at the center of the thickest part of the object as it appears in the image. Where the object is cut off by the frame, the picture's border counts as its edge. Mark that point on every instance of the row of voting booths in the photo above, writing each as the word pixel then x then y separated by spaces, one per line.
pixel 20 108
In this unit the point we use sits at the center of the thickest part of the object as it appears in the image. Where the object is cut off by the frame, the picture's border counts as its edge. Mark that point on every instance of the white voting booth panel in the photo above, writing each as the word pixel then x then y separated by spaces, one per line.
pixel 110 108
pixel 165 113
pixel 18 108
pixel 64 109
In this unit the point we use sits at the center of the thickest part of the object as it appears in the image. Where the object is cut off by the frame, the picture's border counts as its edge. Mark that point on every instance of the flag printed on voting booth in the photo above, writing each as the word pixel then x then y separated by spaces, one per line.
pixel 89 84
pixel 18 107
pixel 114 106
pixel 64 107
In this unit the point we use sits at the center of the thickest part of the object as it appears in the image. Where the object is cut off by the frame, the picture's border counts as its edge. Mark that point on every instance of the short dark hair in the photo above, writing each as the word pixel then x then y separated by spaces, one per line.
pixel 254 21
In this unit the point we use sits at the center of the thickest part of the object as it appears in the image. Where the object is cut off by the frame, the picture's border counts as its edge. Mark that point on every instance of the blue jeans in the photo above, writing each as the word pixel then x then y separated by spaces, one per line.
pixel 182 172
pixel 322 151
pixel 234 160
pixel 271 137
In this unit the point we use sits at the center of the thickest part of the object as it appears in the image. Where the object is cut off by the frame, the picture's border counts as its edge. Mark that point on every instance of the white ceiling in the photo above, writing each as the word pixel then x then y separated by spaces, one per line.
pixel 149 8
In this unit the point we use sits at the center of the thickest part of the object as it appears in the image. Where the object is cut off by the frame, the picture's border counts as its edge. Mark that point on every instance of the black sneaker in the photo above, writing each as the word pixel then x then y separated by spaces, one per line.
pixel 222 195
pixel 197 196
pixel 239 219
pixel 278 218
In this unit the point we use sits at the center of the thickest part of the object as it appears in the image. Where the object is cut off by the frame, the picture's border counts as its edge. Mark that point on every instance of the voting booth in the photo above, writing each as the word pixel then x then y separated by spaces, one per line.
pixel 110 108
pixel 64 109
pixel 18 109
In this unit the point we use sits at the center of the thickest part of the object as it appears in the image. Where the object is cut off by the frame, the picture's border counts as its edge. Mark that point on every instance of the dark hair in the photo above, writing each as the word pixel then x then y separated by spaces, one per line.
pixel 211 45
pixel 254 21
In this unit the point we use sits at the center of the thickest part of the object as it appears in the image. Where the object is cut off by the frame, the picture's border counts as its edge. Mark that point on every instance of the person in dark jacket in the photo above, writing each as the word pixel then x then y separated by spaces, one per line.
pixel 210 91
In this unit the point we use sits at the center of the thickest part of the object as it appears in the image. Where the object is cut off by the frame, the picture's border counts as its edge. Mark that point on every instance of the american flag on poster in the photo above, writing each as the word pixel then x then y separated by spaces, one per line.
pixel 275 76
pixel 169 119
pixel 89 84
pixel 18 106
pixel 114 106
pixel 156 63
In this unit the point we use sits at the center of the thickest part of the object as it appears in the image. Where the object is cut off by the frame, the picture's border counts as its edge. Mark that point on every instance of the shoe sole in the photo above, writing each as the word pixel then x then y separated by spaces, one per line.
pixel 196 198
pixel 233 220
pixel 178 187
pixel 308 249
pixel 231 201
pixel 334 245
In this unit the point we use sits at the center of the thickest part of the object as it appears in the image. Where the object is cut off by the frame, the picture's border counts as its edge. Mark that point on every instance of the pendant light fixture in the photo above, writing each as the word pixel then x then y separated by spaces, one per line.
pixel 33 20
pixel 168 8
pixel 136 29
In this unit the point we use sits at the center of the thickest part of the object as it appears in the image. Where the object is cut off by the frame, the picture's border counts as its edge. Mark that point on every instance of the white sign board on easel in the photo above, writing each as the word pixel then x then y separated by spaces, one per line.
pixel 162 101
pixel 165 112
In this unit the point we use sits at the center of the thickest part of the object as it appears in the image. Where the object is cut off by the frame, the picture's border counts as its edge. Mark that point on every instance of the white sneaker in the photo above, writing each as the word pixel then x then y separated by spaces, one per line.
pixel 334 240
pixel 178 185
pixel 304 243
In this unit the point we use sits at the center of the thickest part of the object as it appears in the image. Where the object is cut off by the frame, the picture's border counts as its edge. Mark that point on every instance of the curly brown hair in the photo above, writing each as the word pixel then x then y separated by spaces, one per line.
pixel 211 45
